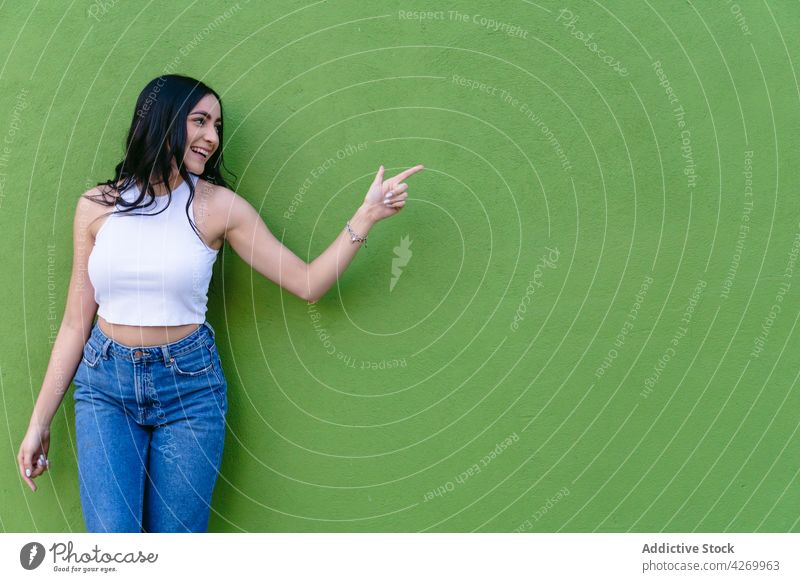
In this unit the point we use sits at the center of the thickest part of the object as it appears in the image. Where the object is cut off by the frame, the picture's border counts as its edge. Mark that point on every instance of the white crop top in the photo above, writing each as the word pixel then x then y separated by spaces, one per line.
pixel 151 270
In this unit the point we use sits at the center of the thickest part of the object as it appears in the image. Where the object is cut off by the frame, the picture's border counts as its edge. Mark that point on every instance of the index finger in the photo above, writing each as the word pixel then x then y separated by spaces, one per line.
pixel 406 173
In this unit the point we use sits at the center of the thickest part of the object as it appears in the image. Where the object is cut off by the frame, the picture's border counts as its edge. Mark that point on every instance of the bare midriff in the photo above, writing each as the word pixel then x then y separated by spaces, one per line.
pixel 134 336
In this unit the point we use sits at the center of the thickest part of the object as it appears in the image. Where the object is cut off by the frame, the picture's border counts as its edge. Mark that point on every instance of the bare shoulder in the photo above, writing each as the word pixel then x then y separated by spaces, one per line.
pixel 100 196
pixel 92 205
pixel 89 203
pixel 224 203
pixel 214 209
pixel 220 196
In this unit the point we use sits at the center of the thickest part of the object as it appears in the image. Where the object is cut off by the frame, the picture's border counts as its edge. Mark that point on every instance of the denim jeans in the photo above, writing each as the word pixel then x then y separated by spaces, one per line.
pixel 150 427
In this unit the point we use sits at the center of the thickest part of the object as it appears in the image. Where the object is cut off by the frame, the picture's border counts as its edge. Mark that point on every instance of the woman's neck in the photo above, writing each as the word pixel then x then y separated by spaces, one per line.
pixel 160 190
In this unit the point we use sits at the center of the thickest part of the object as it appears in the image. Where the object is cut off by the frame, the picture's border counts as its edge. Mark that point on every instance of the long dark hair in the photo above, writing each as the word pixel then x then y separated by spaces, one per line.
pixel 156 136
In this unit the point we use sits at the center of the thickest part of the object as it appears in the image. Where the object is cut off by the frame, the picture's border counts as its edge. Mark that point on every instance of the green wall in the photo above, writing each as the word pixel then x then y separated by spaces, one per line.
pixel 593 255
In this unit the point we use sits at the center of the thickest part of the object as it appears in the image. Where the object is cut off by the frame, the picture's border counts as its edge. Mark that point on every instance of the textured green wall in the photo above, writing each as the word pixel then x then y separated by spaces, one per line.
pixel 609 213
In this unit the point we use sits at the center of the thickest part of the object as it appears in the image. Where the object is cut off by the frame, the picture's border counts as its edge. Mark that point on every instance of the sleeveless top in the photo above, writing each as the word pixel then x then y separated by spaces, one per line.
pixel 151 270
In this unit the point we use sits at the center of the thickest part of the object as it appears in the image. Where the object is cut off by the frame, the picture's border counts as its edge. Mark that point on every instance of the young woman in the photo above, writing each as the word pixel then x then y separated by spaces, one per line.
pixel 150 393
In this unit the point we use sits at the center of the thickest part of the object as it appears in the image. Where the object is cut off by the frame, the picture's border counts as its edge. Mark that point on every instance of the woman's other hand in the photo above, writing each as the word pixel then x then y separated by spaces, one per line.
pixel 32 456
pixel 387 198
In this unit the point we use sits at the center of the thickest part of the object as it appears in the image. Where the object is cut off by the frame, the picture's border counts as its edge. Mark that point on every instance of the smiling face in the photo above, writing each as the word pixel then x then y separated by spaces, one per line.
pixel 202 133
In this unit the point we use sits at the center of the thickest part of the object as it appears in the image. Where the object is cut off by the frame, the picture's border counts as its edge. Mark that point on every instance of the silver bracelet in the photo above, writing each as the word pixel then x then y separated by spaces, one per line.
pixel 354 237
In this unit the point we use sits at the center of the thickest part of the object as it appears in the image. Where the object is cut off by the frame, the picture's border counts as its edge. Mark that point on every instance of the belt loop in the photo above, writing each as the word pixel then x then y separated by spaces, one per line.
pixel 104 349
pixel 166 356
pixel 211 329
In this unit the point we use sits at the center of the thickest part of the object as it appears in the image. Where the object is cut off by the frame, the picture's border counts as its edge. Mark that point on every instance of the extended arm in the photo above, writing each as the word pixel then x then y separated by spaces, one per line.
pixel 256 245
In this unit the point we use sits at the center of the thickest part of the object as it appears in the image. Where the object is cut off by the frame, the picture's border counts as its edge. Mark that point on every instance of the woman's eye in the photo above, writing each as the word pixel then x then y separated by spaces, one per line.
pixel 200 121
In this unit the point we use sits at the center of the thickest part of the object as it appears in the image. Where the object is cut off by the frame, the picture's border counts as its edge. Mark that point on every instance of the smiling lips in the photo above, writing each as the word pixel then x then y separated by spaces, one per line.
pixel 202 152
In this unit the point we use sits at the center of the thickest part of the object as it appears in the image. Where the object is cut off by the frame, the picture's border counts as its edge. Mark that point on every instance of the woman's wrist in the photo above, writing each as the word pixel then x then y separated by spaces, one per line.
pixel 38 423
pixel 363 220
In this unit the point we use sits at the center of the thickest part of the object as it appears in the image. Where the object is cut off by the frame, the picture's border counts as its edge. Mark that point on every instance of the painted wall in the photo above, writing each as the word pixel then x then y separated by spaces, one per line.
pixel 584 319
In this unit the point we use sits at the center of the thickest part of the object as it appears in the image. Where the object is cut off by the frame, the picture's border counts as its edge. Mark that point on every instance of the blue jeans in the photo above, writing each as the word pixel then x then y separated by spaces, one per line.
pixel 150 427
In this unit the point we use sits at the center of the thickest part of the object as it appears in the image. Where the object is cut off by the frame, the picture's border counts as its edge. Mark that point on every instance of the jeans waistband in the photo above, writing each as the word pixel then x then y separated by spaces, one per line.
pixel 106 346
